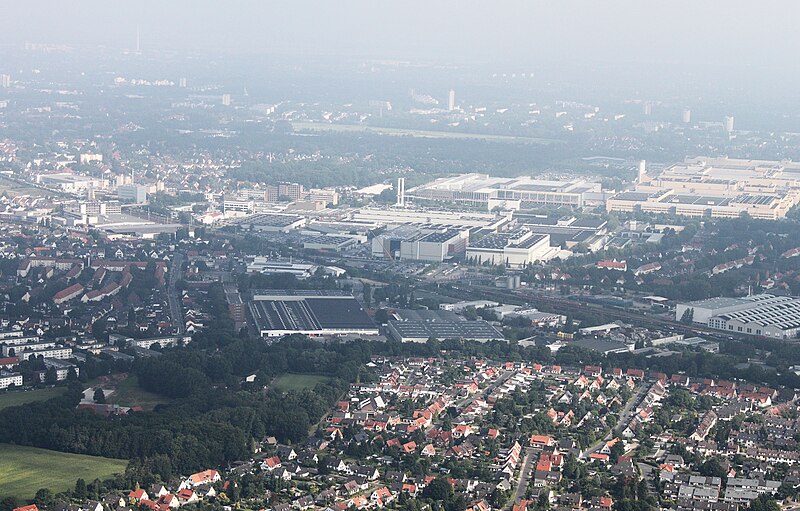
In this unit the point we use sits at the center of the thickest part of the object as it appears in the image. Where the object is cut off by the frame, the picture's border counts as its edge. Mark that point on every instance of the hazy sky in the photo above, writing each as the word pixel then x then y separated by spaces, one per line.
pixel 697 31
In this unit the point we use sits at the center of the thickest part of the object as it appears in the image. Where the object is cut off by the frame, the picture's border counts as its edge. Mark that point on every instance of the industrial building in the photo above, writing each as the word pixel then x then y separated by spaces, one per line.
pixel 88 213
pixel 276 313
pixel 329 242
pixel 421 331
pixel 132 193
pixel 715 188
pixel 568 232
pixel 263 264
pixel 514 249
pixel 394 217
pixel 70 183
pixel 268 222
pixel 767 315
pixel 421 243
pixel 510 193
pixel 108 216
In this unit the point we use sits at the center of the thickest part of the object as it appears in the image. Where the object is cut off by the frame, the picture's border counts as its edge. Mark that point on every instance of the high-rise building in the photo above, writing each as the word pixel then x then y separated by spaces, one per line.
pixel 642 175
pixel 647 108
pixel 401 191
pixel 182 82
pixel 132 192
pixel 226 100
pixel 293 191
pixel 728 123
pixel 5 81
pixel 451 100
pixel 686 116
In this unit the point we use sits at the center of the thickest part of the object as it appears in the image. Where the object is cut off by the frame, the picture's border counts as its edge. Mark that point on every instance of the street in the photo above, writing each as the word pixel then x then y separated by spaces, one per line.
pixel 525 475
pixel 624 418
pixel 175 311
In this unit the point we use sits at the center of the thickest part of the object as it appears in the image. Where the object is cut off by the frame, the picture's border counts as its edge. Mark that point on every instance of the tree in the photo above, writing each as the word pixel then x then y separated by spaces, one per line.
pixel 234 492
pixel 43 498
pixel 381 316
pixel 439 490
pixel 688 316
pixel 763 503
pixel 712 468
pixel 470 313
pixel 99 396
pixel 569 324
pixel 8 503
pixel 80 492
pixel 617 450
pixel 50 376
pixel 787 490
pixel 498 498
pixel 367 295
pixel 543 502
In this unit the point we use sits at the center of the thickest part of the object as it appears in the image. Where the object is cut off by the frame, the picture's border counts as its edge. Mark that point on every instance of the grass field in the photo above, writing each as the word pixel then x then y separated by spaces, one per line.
pixel 17 397
pixel 288 381
pixel 14 188
pixel 400 132
pixel 128 393
pixel 23 470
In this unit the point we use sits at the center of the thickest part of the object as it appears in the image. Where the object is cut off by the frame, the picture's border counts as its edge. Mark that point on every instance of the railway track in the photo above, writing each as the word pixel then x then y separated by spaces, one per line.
pixel 561 305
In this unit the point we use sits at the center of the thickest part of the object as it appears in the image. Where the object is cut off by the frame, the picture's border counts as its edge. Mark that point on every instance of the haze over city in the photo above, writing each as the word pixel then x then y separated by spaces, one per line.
pixel 399 256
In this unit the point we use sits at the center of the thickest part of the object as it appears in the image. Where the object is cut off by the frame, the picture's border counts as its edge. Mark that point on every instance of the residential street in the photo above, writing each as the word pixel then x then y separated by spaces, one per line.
pixel 624 418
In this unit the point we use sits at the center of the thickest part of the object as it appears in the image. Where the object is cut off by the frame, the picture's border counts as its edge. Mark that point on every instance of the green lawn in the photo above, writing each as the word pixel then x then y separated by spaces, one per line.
pixel 18 397
pixel 128 393
pixel 13 188
pixel 291 381
pixel 23 470
pixel 360 128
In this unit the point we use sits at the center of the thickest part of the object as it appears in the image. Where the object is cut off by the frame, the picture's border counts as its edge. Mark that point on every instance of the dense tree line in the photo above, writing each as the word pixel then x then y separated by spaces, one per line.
pixel 214 417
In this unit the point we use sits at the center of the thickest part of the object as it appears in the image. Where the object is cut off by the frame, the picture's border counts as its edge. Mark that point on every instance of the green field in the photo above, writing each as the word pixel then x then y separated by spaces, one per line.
pixel 128 393
pixel 13 188
pixel 18 397
pixel 400 132
pixel 288 381
pixel 24 470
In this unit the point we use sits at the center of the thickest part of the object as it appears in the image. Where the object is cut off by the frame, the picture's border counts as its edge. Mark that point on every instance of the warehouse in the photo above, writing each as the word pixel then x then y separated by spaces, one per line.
pixel 393 217
pixel 328 242
pixel 767 315
pixel 703 310
pixel 715 187
pixel 276 313
pixel 516 249
pixel 269 222
pixel 421 331
pixel 266 265
pixel 777 318
pixel 525 192
pixel 431 243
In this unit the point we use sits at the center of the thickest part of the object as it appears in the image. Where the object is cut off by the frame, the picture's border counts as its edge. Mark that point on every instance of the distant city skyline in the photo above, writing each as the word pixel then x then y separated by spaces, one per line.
pixel 621 31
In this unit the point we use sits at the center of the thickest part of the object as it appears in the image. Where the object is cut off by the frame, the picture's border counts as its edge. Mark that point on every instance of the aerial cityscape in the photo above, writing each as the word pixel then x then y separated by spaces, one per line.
pixel 445 256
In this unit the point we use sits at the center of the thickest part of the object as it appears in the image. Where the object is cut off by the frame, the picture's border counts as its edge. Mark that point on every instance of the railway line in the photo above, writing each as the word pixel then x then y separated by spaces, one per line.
pixel 561 305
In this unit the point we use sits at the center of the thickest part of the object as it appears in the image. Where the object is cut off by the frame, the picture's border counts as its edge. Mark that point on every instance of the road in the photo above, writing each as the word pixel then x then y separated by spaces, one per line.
pixel 461 403
pixel 175 311
pixel 525 475
pixel 624 418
